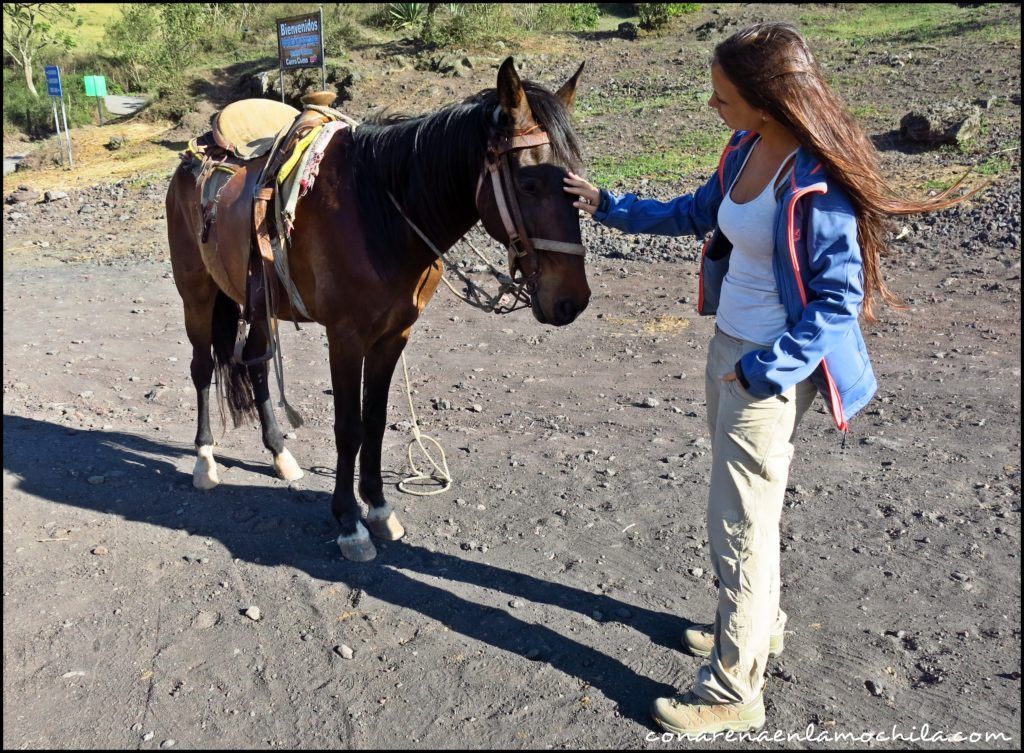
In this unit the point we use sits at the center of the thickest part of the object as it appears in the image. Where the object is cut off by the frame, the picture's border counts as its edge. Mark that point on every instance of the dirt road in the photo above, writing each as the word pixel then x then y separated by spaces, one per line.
pixel 540 602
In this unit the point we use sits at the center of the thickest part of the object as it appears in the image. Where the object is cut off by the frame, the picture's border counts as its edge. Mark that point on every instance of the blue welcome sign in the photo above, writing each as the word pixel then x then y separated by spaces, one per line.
pixel 300 41
pixel 53 81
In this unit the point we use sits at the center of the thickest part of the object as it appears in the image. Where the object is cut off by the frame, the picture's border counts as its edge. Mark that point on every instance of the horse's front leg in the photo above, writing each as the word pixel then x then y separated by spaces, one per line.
pixel 378 372
pixel 346 356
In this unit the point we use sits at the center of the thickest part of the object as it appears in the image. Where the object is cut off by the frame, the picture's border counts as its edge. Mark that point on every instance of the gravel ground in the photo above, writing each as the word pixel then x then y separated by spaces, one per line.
pixel 539 603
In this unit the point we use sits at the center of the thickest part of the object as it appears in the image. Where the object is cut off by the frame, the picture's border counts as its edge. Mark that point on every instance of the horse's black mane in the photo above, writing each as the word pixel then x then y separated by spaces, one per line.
pixel 430 164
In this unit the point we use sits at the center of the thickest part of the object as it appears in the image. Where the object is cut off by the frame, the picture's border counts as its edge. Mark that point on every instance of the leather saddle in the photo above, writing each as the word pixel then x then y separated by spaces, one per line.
pixel 248 128
pixel 242 135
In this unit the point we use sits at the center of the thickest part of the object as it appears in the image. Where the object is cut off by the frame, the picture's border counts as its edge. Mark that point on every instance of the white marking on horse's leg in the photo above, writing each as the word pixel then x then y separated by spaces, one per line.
pixel 384 523
pixel 358 546
pixel 204 476
pixel 378 513
pixel 286 466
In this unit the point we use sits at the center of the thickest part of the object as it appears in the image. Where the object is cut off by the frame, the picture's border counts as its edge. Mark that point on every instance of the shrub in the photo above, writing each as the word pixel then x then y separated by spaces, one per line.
pixel 653 15
pixel 454 31
pixel 553 17
pixel 134 40
pixel 173 102
pixel 466 24
pixel 341 36
pixel 681 9
pixel 152 42
pixel 584 16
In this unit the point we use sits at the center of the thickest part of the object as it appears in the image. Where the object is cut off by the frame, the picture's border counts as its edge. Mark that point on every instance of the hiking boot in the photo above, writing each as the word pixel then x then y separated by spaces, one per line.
pixel 689 714
pixel 700 639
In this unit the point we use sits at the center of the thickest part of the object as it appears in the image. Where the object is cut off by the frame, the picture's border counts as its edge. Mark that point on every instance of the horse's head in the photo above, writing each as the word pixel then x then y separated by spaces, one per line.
pixel 520 196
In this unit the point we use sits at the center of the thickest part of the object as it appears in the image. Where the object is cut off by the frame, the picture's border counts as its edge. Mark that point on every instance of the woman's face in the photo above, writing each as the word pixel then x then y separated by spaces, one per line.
pixel 730 106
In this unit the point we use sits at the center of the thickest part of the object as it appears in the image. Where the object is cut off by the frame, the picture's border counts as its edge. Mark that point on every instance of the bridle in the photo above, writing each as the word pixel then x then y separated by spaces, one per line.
pixel 522 248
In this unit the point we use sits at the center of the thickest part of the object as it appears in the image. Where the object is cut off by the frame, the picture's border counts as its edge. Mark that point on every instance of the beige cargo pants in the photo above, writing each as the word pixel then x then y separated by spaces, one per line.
pixel 751 451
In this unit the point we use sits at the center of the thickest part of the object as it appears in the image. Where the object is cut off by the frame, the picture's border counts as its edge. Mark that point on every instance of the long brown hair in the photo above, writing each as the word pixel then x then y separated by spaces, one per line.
pixel 773 69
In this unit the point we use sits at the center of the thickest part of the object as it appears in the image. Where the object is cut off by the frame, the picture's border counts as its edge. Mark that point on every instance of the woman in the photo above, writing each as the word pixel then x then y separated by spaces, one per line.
pixel 796 214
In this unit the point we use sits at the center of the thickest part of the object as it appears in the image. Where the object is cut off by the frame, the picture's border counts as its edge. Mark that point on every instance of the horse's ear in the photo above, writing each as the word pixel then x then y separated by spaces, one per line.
pixel 512 97
pixel 568 91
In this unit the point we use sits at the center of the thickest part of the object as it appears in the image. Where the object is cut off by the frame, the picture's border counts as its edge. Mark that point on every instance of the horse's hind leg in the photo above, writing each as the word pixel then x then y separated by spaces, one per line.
pixel 198 297
pixel 198 294
pixel 273 437
pixel 377 374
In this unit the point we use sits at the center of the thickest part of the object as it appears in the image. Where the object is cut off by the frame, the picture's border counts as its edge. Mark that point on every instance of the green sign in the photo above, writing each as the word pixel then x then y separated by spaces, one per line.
pixel 95 86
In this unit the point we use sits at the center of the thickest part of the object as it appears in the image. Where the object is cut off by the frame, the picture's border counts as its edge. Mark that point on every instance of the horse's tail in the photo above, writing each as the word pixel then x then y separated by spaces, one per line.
pixel 234 384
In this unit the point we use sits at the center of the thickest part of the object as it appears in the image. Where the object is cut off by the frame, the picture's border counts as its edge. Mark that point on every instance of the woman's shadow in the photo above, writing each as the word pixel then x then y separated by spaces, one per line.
pixel 276 526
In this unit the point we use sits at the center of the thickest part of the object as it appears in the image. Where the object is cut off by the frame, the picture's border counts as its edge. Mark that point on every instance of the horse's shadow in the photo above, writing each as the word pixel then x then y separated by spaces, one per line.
pixel 145 486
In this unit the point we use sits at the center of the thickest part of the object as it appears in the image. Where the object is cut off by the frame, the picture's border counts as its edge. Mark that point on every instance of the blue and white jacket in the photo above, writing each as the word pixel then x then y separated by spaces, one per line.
pixel 818 270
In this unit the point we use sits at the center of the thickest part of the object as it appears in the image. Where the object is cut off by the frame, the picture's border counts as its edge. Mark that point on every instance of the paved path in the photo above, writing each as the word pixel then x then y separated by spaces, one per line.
pixel 11 163
pixel 124 105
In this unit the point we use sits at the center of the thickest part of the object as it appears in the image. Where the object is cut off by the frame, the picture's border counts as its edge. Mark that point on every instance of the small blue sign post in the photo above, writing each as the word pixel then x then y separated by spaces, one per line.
pixel 53 81
pixel 56 91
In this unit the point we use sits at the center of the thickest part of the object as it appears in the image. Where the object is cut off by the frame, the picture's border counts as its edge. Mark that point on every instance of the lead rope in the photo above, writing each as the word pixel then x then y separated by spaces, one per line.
pixel 441 473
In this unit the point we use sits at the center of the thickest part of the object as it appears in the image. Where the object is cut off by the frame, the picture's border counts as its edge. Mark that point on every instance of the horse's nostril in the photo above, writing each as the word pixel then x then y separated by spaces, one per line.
pixel 566 310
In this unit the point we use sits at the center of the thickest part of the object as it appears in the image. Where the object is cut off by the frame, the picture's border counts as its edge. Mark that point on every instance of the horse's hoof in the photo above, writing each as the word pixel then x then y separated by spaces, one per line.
pixel 387 527
pixel 286 467
pixel 357 547
pixel 205 481
pixel 204 476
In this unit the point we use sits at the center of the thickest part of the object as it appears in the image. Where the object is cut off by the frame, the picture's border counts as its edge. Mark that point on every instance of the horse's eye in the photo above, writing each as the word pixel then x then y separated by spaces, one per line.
pixel 531 187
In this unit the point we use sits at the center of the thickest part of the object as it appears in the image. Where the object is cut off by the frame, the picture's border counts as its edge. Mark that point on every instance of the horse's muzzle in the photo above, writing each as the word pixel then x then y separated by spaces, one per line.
pixel 538 312
pixel 565 311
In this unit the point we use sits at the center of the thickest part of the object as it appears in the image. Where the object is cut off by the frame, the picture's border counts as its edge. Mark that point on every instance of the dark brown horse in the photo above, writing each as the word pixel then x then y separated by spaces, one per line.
pixel 364 273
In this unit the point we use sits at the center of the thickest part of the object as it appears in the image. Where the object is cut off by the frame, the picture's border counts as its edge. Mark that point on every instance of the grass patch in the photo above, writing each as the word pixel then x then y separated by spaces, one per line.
pixel 865 111
pixel 936 185
pixel 595 105
pixel 95 17
pixel 613 14
pixel 906 23
pixel 694 153
pixel 997 164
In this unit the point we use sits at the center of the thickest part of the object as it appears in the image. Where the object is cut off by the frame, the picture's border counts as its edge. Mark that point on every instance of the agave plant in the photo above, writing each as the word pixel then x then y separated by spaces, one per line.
pixel 406 14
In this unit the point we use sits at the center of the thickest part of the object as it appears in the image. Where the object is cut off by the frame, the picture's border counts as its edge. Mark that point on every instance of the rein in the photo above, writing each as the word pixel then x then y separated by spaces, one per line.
pixel 477 297
pixel 522 248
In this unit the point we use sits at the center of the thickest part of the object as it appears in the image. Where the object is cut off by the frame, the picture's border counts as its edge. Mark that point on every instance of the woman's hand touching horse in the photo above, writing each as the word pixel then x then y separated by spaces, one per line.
pixel 589 196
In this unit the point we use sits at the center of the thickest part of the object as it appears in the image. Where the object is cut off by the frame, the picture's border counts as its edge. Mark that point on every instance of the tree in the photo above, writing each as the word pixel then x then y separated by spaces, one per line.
pixel 155 41
pixel 134 39
pixel 31 27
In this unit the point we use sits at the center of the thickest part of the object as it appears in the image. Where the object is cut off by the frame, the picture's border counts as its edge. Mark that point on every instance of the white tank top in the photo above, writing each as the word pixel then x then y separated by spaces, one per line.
pixel 750 307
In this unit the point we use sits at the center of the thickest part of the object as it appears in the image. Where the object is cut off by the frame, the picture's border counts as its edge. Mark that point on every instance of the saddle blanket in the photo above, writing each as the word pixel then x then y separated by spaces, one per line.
pixel 298 174
pixel 294 181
